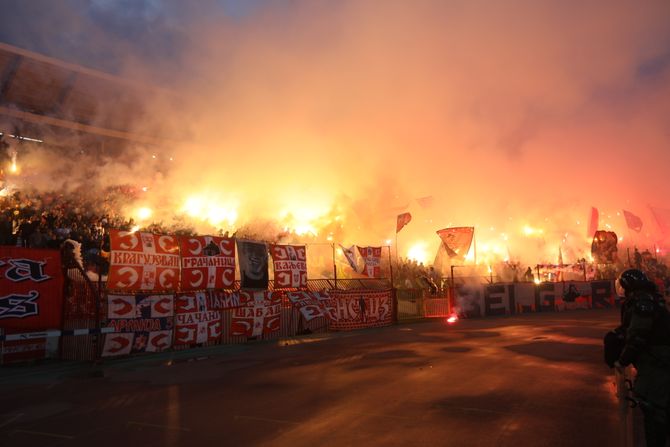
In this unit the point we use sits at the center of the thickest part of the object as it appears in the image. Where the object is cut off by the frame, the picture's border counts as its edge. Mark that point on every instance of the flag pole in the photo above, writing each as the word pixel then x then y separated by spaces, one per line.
pixel 396 247
pixel 334 265
pixel 390 263
pixel 474 237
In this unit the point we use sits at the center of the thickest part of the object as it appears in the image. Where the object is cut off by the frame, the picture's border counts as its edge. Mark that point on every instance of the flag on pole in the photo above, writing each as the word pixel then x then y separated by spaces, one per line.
pixel 457 240
pixel 403 219
pixel 560 256
pixel 593 223
pixel 633 221
pixel 351 257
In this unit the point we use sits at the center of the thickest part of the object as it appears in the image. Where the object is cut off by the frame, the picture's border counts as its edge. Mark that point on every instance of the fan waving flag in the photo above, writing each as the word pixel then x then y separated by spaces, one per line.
pixel 633 221
pixel 662 218
pixel 403 219
pixel 351 257
pixel 457 240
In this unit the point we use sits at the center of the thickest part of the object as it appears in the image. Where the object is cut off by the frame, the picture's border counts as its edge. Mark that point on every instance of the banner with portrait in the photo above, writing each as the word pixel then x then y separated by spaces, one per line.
pixel 253 259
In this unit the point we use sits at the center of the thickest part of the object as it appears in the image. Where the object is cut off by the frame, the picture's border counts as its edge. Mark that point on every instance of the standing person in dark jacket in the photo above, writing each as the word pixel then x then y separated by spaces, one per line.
pixel 646 324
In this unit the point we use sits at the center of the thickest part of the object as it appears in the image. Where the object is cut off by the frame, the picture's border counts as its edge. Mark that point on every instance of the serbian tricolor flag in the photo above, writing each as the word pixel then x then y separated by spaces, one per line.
pixel 403 219
pixel 457 240
pixel 593 223
pixel 373 261
pixel 351 257
pixel 633 221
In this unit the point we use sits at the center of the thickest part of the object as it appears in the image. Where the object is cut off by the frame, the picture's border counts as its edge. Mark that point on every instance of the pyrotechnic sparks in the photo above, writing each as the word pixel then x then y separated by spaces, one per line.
pixel 418 252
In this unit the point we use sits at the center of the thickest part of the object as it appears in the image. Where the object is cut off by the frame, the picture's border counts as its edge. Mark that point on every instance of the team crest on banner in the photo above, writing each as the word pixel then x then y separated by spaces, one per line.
pixel 259 315
pixel 207 262
pixel 143 261
pixel 290 266
pixel 142 323
pixel 195 322
pixel 373 261
pixel 313 304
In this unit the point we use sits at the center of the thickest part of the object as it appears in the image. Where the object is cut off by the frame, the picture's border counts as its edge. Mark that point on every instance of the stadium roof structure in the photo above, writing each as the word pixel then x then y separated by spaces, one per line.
pixel 38 92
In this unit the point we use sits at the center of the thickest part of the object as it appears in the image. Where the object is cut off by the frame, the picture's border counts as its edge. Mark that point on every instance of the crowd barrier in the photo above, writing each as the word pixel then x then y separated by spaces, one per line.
pixel 82 331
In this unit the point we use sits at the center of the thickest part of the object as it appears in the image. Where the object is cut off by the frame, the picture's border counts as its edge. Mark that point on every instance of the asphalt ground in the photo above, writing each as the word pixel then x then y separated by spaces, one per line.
pixel 528 380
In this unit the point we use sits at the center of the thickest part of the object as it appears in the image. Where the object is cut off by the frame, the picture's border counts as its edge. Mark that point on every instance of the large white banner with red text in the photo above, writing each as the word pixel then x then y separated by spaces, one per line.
pixel 313 304
pixel 207 262
pixel 143 262
pixel 356 309
pixel 290 266
pixel 258 315
pixel 142 323
pixel 195 320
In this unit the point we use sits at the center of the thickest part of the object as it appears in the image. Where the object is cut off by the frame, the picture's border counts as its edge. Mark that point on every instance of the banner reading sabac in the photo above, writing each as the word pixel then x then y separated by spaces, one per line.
pixel 259 314
pixel 196 322
pixel 142 323
pixel 290 266
pixel 31 289
pixel 143 261
pixel 373 261
pixel 357 309
pixel 313 304
pixel 207 262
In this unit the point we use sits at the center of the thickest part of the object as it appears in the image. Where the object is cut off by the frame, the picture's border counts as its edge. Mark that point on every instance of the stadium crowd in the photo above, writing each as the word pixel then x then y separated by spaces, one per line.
pixel 47 220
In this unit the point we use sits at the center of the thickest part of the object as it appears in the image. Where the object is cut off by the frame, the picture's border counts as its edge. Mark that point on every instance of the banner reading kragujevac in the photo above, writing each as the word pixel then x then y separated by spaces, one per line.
pixel 356 309
pixel 143 261
pixel 31 289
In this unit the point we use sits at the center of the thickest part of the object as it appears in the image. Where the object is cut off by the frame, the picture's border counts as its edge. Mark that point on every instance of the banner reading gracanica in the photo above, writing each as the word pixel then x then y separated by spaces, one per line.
pixel 143 261
pixel 290 266
pixel 207 262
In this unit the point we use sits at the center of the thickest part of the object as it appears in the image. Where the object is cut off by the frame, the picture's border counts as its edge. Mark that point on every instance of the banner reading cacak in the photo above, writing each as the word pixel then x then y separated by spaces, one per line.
pixel 31 289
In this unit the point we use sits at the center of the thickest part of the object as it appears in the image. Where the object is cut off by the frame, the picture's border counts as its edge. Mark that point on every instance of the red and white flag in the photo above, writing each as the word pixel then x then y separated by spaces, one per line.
pixel 633 221
pixel 373 261
pixel 593 223
pixel 259 315
pixel 143 261
pixel 351 257
pixel 457 240
pixel 195 322
pixel 290 266
pixel 403 219
pixel 207 262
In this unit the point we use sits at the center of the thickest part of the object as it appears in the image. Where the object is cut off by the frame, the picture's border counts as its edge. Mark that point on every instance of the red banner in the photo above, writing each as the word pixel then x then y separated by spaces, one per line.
pixel 634 222
pixel 220 300
pixel 143 261
pixel 207 262
pixel 356 309
pixel 195 321
pixel 402 220
pixel 259 315
pixel 31 289
pixel 373 261
pixel 142 323
pixel 313 304
pixel 290 266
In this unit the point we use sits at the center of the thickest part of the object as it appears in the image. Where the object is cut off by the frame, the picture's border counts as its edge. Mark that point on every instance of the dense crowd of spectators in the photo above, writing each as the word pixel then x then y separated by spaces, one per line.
pixel 47 220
